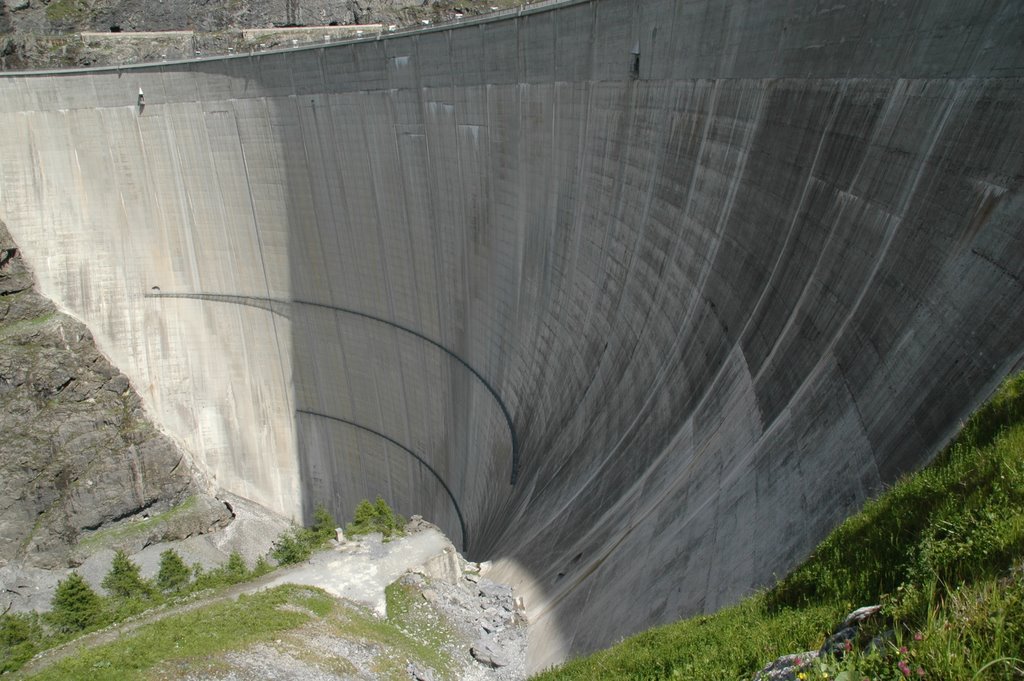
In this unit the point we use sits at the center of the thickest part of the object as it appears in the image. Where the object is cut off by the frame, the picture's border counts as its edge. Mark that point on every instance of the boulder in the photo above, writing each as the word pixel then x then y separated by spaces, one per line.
pixel 489 589
pixel 488 653
pixel 418 673
pixel 839 642
pixel 444 566
pixel 861 615
pixel 845 637
pixel 787 667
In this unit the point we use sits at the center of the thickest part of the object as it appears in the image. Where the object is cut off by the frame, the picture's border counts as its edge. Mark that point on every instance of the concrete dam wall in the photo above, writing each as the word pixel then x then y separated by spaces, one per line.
pixel 636 298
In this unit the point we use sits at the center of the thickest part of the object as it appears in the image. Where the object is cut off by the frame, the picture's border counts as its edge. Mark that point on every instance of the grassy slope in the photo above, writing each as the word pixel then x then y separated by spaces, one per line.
pixel 193 642
pixel 943 551
pixel 24 635
pixel 194 635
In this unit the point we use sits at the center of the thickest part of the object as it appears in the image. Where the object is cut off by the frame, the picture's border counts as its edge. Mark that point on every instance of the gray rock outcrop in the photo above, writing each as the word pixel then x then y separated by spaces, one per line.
pixel 47 34
pixel 787 667
pixel 487 653
pixel 201 15
pixel 76 450
pixel 847 635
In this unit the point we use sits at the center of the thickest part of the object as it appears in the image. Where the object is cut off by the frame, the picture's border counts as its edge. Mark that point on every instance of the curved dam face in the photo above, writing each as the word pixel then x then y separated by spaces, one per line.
pixel 637 299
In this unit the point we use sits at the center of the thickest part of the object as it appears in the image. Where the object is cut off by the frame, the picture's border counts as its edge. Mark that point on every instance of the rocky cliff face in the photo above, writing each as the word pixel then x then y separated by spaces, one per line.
pixel 43 34
pixel 46 16
pixel 76 450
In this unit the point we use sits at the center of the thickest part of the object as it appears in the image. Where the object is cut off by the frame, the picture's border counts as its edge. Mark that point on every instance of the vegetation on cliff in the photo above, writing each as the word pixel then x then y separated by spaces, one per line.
pixel 411 633
pixel 375 517
pixel 942 551
pixel 197 634
pixel 299 543
pixel 40 35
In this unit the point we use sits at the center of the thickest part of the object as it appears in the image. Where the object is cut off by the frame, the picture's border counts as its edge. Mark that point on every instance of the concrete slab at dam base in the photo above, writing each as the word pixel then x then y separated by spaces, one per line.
pixel 700 276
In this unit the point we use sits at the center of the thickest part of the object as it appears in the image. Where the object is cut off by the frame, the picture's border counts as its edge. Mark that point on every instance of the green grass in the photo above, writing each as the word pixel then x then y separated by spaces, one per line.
pixel 66 10
pixel 192 642
pixel 960 518
pixel 423 624
pixel 943 551
pixel 722 646
pixel 196 635
pixel 24 635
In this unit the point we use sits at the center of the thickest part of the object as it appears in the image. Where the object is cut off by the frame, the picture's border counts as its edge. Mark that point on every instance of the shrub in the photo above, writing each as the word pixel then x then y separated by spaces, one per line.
pixel 375 517
pixel 298 544
pixel 174 575
pixel 20 635
pixel 75 605
pixel 231 572
pixel 236 569
pixel 292 547
pixel 261 567
pixel 124 581
pixel 323 524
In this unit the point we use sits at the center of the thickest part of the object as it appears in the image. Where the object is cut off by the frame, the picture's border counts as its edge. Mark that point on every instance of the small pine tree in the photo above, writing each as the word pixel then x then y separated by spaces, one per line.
pixel 14 630
pixel 174 575
pixel 389 522
pixel 366 513
pixel 123 580
pixel 323 524
pixel 261 567
pixel 75 605
pixel 291 547
pixel 299 543
pixel 235 570
pixel 375 517
pixel 20 637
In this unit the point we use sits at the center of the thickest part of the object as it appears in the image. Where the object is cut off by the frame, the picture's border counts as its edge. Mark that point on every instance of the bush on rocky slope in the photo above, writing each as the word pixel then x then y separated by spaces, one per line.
pixel 376 517
pixel 299 543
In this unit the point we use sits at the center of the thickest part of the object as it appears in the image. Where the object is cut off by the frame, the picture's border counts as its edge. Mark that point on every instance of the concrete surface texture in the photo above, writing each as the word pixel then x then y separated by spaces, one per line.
pixel 726 269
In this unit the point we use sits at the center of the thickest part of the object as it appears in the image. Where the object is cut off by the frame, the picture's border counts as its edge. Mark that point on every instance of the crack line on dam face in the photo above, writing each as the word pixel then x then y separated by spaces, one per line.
pixel 437 476
pixel 275 305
